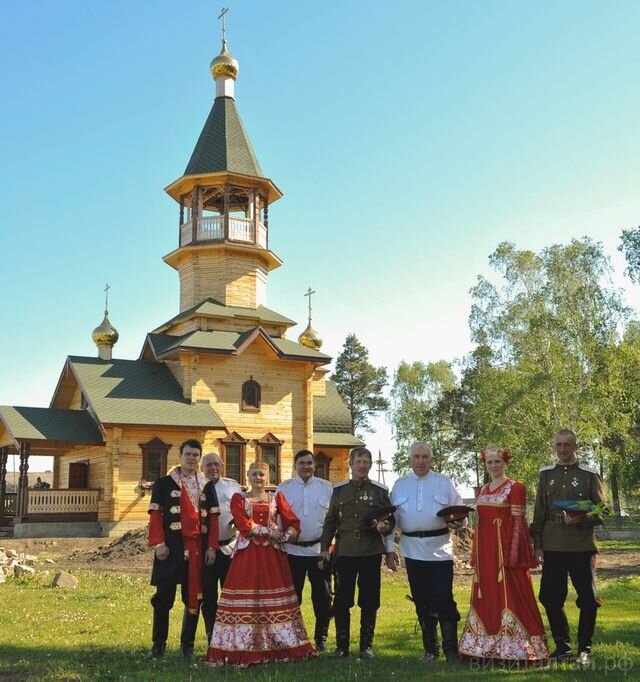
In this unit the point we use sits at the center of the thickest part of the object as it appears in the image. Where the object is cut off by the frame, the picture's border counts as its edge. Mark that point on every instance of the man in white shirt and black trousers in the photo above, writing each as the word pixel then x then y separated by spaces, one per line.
pixel 427 549
pixel 309 498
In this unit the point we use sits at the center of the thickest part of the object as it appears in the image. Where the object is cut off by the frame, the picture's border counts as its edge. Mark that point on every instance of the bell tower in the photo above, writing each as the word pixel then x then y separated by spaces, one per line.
pixel 223 248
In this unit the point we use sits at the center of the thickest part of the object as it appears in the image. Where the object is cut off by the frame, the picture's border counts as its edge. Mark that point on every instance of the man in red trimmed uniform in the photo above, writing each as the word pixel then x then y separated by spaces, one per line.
pixel 179 517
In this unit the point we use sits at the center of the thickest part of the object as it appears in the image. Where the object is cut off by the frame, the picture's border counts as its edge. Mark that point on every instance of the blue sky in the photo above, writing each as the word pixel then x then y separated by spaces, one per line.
pixel 409 140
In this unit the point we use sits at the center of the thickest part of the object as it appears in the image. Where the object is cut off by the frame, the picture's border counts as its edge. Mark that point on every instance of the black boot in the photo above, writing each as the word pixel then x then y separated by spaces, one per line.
pixel 321 633
pixel 343 627
pixel 559 627
pixel 159 633
pixel 449 629
pixel 586 626
pixel 367 628
pixel 429 627
pixel 208 626
pixel 188 634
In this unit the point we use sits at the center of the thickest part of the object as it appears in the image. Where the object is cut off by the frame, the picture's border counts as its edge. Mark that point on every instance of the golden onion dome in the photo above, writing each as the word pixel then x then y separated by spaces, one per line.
pixel 310 338
pixel 224 64
pixel 105 334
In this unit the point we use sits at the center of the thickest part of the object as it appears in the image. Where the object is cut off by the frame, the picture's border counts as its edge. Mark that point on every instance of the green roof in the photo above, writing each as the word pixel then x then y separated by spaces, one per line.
pixel 230 343
pixel 212 308
pixel 136 392
pixel 330 413
pixel 223 145
pixel 47 423
pixel 343 439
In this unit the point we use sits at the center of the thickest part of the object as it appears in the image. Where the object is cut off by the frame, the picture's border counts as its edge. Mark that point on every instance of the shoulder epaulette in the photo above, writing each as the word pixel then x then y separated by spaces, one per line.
pixel 591 470
pixel 339 485
pixel 380 485
pixel 289 480
pixel 548 467
pixel 324 481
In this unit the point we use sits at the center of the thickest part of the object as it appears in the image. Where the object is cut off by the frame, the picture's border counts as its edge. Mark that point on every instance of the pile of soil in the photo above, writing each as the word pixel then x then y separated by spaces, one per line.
pixel 129 554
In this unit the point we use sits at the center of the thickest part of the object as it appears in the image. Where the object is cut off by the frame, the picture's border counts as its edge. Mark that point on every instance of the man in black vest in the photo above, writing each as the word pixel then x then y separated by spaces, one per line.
pixel 183 511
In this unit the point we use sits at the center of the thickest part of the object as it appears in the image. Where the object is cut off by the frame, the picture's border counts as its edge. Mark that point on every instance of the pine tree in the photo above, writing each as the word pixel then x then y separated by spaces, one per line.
pixel 360 384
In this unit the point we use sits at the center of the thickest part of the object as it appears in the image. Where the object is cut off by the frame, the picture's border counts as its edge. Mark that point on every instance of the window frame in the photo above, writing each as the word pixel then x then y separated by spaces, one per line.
pixel 154 446
pixel 235 439
pixel 251 384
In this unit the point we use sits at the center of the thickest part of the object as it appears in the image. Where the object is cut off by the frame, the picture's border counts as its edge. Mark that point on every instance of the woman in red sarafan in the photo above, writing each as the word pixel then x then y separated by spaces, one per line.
pixel 258 618
pixel 504 622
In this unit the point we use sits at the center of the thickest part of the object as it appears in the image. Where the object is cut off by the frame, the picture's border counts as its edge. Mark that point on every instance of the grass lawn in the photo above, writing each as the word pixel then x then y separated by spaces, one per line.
pixel 101 631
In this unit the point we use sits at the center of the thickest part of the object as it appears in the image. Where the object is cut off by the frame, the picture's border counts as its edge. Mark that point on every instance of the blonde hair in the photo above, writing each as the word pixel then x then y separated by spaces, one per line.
pixel 263 466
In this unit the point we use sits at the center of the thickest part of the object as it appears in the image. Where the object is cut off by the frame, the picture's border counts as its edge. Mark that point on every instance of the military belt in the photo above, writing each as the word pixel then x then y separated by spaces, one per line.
pixel 356 534
pixel 306 543
pixel 426 533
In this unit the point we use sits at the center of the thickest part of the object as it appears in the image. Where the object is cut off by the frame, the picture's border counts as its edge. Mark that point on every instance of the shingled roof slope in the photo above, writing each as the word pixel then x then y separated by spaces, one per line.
pixel 230 342
pixel 223 145
pixel 48 423
pixel 330 414
pixel 136 392
pixel 212 308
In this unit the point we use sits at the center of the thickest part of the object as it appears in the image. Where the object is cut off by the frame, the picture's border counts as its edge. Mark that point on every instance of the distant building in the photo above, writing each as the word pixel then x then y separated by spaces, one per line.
pixel 221 370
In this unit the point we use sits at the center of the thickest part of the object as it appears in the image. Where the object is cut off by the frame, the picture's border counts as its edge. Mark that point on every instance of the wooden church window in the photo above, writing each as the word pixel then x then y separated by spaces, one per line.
pixel 233 453
pixel 251 396
pixel 154 459
pixel 269 451
pixel 322 466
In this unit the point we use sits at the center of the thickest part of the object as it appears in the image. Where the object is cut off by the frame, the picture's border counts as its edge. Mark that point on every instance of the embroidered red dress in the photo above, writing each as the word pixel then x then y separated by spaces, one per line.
pixel 258 618
pixel 504 621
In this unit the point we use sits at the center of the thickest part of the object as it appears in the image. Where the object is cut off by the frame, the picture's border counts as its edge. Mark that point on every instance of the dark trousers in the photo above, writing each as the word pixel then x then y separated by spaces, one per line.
pixel 302 566
pixel 162 602
pixel 212 577
pixel 558 567
pixel 165 596
pixel 365 570
pixel 431 584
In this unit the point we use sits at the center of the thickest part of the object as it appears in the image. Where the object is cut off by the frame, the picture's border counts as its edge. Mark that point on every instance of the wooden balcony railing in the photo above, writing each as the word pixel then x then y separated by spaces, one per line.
pixel 9 506
pixel 52 501
pixel 212 228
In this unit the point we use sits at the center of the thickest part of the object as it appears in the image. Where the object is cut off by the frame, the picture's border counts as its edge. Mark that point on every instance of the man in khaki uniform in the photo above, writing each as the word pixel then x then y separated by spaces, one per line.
pixel 359 549
pixel 565 545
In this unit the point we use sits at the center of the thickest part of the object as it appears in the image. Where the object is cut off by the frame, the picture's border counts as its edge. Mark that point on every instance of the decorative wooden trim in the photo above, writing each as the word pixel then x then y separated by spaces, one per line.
pixel 237 440
pixel 227 208
pixel 323 461
pixel 4 458
pixel 271 441
pixel 155 445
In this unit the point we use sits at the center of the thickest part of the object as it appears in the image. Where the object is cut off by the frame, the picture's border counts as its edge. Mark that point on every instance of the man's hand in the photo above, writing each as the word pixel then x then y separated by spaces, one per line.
pixel 539 556
pixel 570 520
pixel 210 557
pixel 455 525
pixel 383 527
pixel 392 560
pixel 162 552
pixel 324 556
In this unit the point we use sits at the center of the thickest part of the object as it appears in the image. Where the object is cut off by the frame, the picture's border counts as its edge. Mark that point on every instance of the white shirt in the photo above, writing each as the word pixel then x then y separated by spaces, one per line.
pixel 310 502
pixel 225 490
pixel 418 498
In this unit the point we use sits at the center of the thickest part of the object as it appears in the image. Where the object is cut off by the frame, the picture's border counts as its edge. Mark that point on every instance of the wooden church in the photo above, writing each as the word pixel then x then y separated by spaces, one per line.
pixel 222 370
